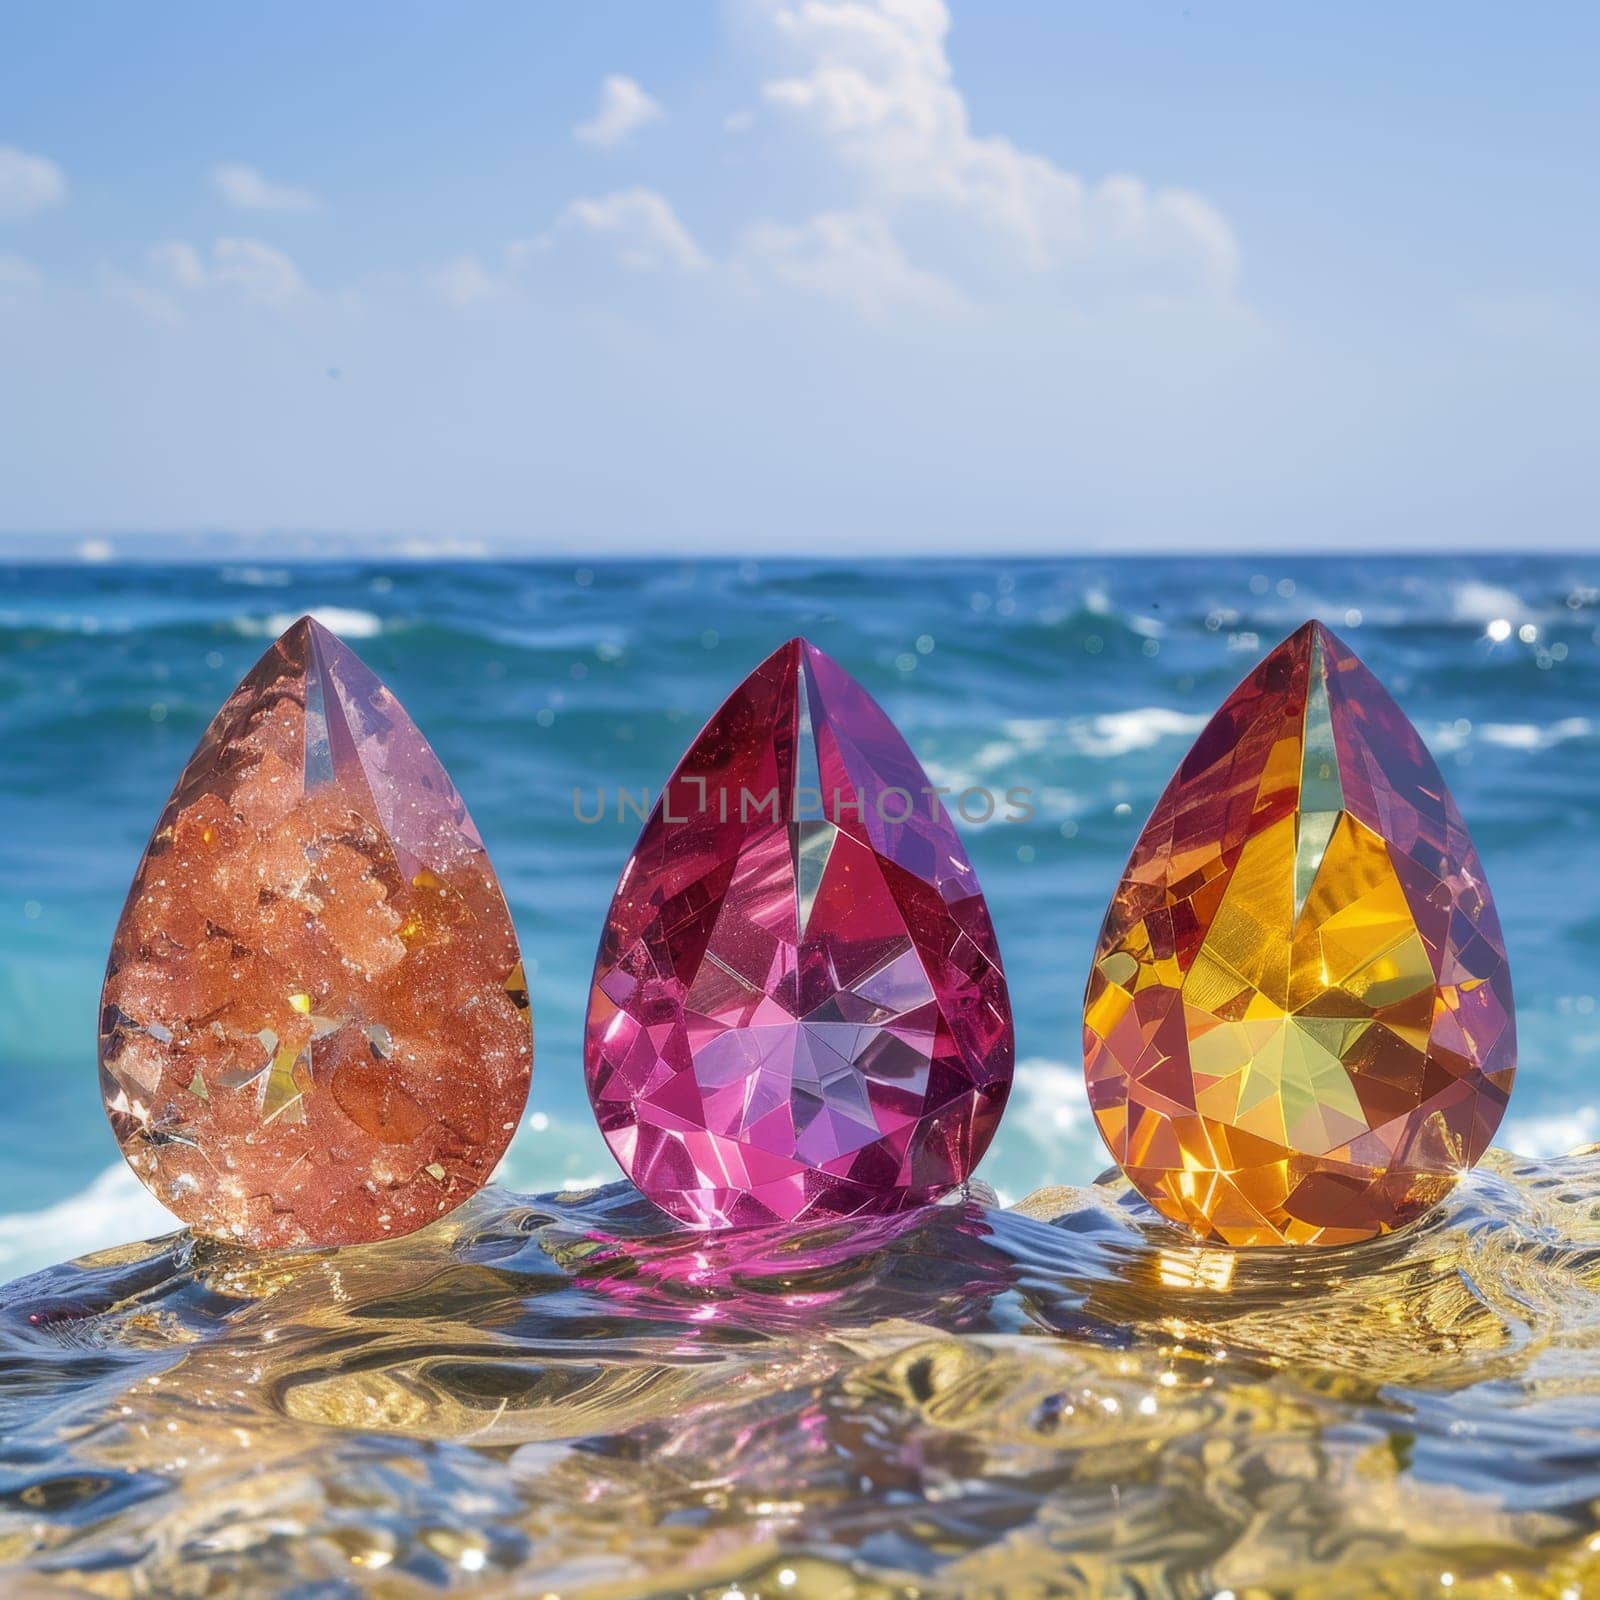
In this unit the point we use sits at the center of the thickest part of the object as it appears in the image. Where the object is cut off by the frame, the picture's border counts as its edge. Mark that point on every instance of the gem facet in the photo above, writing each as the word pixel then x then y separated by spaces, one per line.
pixel 314 1028
pixel 798 1009
pixel 1298 1027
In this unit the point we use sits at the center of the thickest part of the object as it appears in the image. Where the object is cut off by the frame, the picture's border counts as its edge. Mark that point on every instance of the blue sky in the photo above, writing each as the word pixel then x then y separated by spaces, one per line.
pixel 802 274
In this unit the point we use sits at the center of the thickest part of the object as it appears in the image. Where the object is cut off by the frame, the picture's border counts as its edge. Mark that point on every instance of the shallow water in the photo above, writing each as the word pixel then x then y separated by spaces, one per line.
pixel 564 1395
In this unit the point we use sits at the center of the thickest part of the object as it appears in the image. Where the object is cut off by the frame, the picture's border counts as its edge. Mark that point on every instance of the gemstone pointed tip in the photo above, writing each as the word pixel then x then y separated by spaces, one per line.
pixel 1329 640
pixel 298 641
pixel 1301 640
pixel 798 648
pixel 313 627
pixel 1315 633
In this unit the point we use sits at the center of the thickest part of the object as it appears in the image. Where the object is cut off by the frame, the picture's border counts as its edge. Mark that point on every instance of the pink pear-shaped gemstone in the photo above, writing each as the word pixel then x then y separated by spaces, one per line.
pixel 798 1008
pixel 314 1028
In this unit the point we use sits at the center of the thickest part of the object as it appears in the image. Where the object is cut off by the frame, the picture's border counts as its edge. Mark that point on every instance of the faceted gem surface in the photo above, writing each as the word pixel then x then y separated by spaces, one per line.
pixel 1298 1027
pixel 798 1008
pixel 314 1028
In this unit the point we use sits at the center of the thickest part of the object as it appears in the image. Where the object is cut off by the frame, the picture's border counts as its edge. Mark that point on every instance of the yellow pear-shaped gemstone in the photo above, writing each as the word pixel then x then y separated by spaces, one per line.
pixel 1298 1026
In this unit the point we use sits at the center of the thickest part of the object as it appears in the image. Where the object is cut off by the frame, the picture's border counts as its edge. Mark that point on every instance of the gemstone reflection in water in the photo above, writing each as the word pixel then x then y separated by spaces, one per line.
pixel 568 1394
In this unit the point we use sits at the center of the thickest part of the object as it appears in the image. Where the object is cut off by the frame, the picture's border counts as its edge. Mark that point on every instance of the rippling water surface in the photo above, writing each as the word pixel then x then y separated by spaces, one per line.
pixel 564 1396
pixel 1083 681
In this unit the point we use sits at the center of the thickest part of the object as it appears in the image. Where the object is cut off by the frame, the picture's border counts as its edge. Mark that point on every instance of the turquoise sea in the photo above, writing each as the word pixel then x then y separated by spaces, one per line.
pixel 1081 680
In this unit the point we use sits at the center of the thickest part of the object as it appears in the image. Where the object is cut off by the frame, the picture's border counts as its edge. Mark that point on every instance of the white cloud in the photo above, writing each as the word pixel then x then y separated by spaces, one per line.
pixel 28 184
pixel 177 261
pixel 924 213
pixel 624 108
pixel 18 275
pixel 643 228
pixel 258 271
pixel 248 189
pixel 851 256
pixel 153 304
pixel 466 281
pixel 637 226
pixel 874 87
pixel 254 270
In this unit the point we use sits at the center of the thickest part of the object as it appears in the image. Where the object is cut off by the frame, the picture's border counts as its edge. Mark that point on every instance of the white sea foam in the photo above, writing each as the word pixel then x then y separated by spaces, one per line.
pixel 1054 801
pixel 84 624
pixel 115 1208
pixel 1114 733
pixel 1474 601
pixel 258 577
pixel 1446 738
pixel 1049 1135
pixel 1553 1135
pixel 998 754
pixel 1117 733
pixel 550 1153
pixel 1100 738
pixel 447 549
pixel 1047 1096
pixel 1530 736
pixel 347 623
pixel 956 781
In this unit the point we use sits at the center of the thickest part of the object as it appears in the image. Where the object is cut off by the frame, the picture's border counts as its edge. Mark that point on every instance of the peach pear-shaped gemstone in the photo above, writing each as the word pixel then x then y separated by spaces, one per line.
pixel 1298 1027
pixel 314 1028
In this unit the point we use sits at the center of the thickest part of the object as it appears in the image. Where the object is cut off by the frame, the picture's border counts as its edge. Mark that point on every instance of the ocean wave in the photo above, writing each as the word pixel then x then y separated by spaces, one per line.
pixel 1045 685
pixel 114 1208
pixel 74 624
pixel 344 621
pixel 1049 1117
pixel 1119 733
pixel 1531 736
pixel 1101 738
pixel 442 549
pixel 258 577
pixel 1473 600
pixel 548 1152
pixel 1552 1135
pixel 553 1152
pixel 1048 1095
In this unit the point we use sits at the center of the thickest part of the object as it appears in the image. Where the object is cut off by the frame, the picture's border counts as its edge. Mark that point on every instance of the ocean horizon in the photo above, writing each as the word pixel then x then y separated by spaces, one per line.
pixel 543 683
